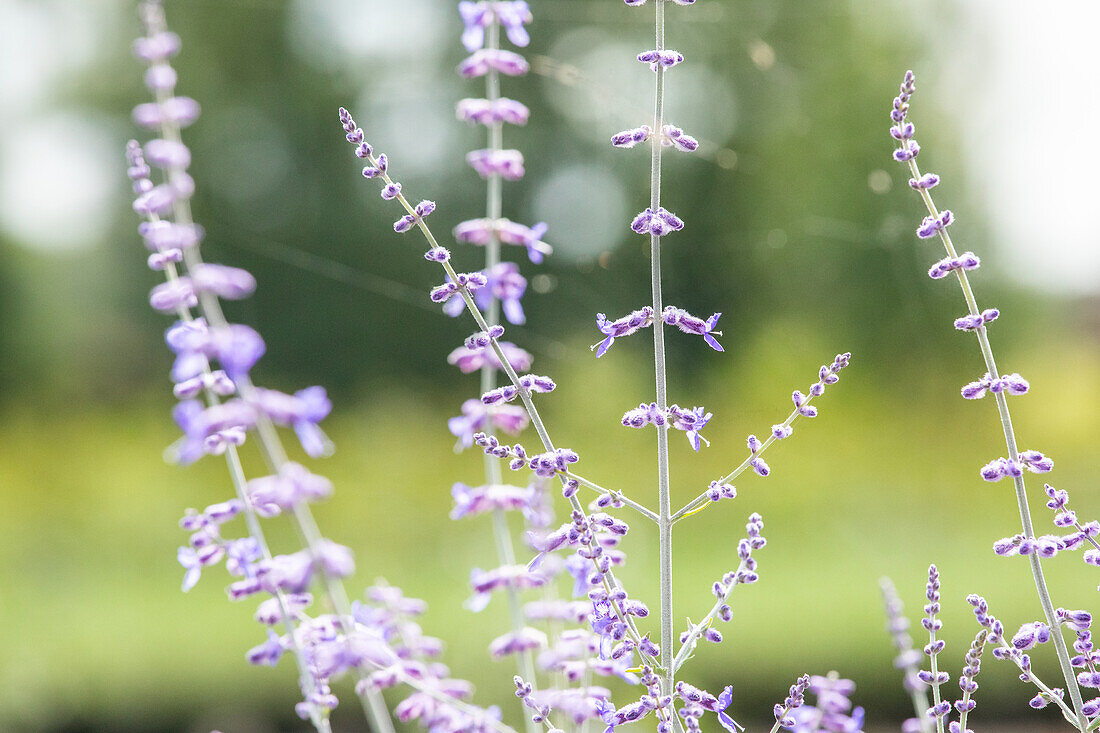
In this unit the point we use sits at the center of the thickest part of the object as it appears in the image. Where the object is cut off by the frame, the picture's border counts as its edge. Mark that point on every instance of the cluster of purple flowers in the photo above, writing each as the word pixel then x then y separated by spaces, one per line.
pixel 380 642
pixel 220 407
pixel 690 421
pixel 832 712
pixel 1032 460
pixel 635 321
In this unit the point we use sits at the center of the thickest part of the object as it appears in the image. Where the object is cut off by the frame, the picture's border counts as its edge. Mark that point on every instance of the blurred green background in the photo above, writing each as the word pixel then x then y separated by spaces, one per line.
pixel 799 231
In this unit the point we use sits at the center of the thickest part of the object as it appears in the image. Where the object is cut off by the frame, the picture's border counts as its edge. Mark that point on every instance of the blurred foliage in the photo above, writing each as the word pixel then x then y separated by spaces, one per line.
pixel 799 230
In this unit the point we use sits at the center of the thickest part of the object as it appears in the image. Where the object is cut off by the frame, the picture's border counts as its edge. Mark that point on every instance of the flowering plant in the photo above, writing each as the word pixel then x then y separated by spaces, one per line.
pixel 1081 714
pixel 561 645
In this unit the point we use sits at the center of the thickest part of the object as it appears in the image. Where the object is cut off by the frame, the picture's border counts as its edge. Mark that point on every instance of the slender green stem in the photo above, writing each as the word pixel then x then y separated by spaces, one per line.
pixel 1013 454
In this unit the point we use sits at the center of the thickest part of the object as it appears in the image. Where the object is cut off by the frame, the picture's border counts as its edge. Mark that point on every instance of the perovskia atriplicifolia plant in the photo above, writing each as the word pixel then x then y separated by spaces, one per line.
pixel 1071 533
pixel 561 644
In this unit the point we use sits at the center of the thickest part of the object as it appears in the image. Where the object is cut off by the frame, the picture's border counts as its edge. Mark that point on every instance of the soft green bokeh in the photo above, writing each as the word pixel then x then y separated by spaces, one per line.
pixel 799 230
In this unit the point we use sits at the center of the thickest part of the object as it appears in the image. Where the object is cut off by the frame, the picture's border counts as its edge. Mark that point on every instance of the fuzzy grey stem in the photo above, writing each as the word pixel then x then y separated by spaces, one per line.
pixel 615 494
pixel 664 503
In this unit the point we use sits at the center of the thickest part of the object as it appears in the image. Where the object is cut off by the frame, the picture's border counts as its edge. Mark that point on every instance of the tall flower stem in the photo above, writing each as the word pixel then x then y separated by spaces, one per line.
pixel 270 445
pixel 1013 455
pixel 255 530
pixel 664 503
pixel 610 582
pixel 494 206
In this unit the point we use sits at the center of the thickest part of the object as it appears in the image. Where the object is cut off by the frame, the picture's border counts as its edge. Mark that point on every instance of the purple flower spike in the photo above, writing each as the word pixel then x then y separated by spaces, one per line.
pixel 688 323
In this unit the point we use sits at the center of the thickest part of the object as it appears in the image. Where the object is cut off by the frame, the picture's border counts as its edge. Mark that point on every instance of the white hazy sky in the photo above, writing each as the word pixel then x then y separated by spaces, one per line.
pixel 1021 82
